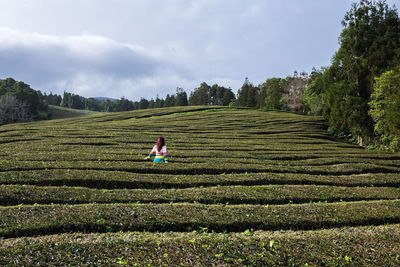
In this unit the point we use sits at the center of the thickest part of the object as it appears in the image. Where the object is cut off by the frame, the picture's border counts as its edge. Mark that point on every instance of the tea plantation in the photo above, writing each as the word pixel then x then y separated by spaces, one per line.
pixel 242 187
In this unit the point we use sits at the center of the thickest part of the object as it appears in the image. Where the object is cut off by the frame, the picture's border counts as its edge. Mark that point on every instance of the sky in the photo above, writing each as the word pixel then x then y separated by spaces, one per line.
pixel 145 48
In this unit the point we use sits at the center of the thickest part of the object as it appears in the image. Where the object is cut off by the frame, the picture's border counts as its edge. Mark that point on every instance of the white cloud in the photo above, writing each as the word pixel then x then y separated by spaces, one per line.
pixel 89 65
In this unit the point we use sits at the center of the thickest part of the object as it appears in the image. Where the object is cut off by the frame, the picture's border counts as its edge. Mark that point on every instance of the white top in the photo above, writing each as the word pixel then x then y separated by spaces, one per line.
pixel 162 152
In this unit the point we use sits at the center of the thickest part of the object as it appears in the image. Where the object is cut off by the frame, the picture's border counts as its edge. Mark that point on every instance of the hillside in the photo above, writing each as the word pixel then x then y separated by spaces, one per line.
pixel 62 113
pixel 242 187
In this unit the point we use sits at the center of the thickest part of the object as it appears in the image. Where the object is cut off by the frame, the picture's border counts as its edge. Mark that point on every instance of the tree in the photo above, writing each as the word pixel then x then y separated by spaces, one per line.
pixel 34 100
pixel 312 96
pixel 369 45
pixel 181 98
pixel 227 97
pixel 169 101
pixel 159 103
pixel 385 108
pixel 124 105
pixel 152 103
pixel 272 92
pixel 248 95
pixel 13 110
pixel 92 104
pixel 143 103
pixel 296 85
pixel 201 95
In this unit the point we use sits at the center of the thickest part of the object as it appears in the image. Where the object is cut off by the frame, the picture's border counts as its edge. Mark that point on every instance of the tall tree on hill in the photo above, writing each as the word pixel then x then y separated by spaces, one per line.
pixel 201 95
pixel 169 101
pixel 369 45
pixel 181 98
pixel 227 97
pixel 312 97
pixel 272 92
pixel 143 103
pixel 248 95
pixel 159 103
pixel 124 104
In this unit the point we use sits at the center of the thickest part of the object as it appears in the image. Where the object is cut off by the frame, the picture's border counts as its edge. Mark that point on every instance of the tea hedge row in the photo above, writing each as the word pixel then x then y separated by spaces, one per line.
pixel 269 194
pixel 212 167
pixel 24 220
pixel 119 179
pixel 360 246
pixel 185 155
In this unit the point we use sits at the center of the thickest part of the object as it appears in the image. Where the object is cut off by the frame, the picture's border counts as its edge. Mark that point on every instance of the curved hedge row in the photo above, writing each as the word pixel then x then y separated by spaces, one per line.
pixel 361 246
pixel 45 219
pixel 268 194
pixel 118 179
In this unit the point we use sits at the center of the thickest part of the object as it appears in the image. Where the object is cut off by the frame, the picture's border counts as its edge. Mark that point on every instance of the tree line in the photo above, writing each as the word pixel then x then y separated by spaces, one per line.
pixel 203 95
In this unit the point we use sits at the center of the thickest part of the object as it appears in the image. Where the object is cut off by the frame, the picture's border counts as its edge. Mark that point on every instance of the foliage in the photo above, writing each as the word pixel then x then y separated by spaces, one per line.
pixel 385 107
pixel 369 44
pixel 181 97
pixel 211 95
pixel 313 95
pixel 272 91
pixel 247 96
pixel 13 110
pixel 29 104
pixel 293 92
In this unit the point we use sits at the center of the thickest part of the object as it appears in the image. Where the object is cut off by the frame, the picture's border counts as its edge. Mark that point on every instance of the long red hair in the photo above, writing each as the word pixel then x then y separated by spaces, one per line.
pixel 160 143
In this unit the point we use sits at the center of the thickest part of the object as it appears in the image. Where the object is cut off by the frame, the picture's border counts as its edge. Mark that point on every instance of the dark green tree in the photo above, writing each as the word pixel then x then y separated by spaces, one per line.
pixel 272 90
pixel 369 45
pixel 34 100
pixel 159 103
pixel 385 108
pixel 227 97
pixel 143 103
pixel 93 104
pixel 181 98
pixel 169 101
pixel 247 95
pixel 201 95
pixel 313 95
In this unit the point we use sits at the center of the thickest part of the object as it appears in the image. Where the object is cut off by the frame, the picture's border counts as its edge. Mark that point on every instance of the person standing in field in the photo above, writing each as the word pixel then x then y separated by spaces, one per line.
pixel 159 150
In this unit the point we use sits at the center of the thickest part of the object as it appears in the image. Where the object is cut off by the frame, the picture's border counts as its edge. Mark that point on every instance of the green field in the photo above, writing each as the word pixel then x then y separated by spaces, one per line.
pixel 242 187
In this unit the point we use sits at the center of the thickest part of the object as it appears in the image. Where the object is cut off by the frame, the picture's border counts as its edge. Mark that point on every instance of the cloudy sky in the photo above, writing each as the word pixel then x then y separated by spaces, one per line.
pixel 141 48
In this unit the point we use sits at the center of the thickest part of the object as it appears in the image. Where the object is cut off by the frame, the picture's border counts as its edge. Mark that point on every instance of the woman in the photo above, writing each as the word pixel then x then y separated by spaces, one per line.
pixel 160 150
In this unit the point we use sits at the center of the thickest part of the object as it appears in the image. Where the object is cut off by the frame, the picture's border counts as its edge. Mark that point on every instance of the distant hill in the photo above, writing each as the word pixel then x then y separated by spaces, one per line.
pixel 101 98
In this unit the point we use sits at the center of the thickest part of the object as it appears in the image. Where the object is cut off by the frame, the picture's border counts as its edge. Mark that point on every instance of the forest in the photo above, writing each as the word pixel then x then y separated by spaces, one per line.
pixel 358 93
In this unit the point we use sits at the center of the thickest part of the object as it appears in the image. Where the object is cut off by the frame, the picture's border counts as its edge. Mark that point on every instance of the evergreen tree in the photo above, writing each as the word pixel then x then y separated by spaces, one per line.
pixel 248 95
pixel 169 101
pixel 144 103
pixel 369 45
pixel 201 95
pixel 181 98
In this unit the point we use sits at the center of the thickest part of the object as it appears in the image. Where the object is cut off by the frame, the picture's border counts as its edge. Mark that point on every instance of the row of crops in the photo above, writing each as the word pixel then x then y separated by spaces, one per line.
pixel 242 187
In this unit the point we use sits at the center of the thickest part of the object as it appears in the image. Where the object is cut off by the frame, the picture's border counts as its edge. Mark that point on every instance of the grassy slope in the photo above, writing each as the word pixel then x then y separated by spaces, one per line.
pixel 247 168
pixel 62 113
